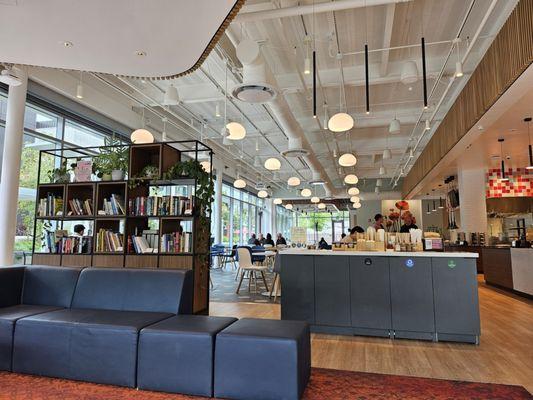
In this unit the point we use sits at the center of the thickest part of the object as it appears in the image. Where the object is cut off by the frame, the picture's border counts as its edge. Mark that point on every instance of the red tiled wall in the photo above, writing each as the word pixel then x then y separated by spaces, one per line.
pixel 520 183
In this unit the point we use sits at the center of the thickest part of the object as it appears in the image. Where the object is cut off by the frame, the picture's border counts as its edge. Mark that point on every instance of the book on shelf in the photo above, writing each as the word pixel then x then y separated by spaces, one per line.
pixel 50 206
pixel 147 242
pixel 108 241
pixel 161 206
pixel 83 171
pixel 59 242
pixel 176 242
pixel 113 206
pixel 78 207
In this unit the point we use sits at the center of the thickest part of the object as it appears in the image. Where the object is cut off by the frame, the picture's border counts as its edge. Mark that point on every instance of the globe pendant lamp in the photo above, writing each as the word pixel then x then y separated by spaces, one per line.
pixel 353 191
pixel 239 183
pixel 315 200
pixel 236 131
pixel 347 160
pixel 340 122
pixel 356 205
pixel 355 199
pixel 141 136
pixel 278 201
pixel 262 194
pixel 288 206
pixel 394 126
pixel 351 179
pixel 272 164
pixel 293 181
pixel 321 206
pixel 306 192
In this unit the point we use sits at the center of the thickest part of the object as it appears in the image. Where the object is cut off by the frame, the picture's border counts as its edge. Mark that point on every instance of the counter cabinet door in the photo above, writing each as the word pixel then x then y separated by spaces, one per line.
pixel 332 290
pixel 370 292
pixel 412 294
pixel 298 286
pixel 456 295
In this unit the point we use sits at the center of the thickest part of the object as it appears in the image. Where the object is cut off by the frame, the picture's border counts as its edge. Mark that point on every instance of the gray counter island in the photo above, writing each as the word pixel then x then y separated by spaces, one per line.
pixel 419 295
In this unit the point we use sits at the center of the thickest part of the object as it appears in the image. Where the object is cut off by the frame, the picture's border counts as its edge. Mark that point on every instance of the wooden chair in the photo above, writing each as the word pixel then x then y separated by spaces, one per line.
pixel 246 267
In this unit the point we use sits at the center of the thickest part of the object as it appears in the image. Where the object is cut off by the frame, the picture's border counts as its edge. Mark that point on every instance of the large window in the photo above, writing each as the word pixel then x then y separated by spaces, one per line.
pixel 321 224
pixel 42 130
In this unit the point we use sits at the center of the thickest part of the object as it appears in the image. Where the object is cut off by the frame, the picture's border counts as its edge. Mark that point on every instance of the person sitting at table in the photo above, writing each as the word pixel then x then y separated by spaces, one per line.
pixel 269 241
pixel 252 239
pixel 256 243
pixel 261 239
pixel 280 240
pixel 352 237
pixel 408 222
pixel 323 245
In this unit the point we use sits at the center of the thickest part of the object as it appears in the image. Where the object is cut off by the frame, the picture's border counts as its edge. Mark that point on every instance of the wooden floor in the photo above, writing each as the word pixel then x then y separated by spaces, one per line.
pixel 505 354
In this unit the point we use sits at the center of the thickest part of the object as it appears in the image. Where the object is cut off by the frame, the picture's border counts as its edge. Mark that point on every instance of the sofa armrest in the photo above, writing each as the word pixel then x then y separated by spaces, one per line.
pixel 11 282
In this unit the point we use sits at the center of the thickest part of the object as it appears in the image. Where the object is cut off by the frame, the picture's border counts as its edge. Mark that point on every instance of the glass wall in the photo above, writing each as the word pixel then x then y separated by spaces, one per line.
pixel 42 130
pixel 240 215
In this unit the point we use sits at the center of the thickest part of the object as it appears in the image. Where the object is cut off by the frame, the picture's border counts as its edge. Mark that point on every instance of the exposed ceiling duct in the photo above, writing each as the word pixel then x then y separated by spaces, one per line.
pixel 256 70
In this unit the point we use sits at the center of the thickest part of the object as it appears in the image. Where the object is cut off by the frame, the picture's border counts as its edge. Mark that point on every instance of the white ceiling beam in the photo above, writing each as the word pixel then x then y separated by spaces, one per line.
pixel 387 37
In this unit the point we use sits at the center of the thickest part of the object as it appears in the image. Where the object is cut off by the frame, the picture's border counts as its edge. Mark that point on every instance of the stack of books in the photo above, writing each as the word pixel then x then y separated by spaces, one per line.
pixel 76 244
pixel 52 240
pixel 78 207
pixel 50 206
pixel 176 242
pixel 108 241
pixel 160 206
pixel 113 206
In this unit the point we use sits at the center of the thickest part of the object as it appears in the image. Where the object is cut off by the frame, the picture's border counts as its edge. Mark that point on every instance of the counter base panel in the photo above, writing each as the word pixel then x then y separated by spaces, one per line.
pixel 447 337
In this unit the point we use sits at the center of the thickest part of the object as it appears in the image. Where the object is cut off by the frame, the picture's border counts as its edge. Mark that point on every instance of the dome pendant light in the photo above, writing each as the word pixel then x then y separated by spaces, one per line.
pixel 353 191
pixel 272 164
pixel 262 194
pixel 340 122
pixel 142 136
pixel 236 131
pixel 306 192
pixel 239 183
pixel 355 199
pixel 171 97
pixel 288 206
pixel 277 201
pixel 315 200
pixel 347 160
pixel 351 179
pixel 321 206
pixel 293 181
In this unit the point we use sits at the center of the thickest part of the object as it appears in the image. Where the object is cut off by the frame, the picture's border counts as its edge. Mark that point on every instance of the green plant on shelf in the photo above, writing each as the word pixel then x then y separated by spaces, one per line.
pixel 112 162
pixel 149 172
pixel 60 174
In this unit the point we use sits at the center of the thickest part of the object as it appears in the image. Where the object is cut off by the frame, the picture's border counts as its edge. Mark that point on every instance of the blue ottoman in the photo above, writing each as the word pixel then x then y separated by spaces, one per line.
pixel 176 355
pixel 262 359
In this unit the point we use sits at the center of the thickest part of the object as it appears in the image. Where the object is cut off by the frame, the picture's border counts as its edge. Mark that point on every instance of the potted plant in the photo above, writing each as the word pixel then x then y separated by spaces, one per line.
pixel 60 174
pixel 112 162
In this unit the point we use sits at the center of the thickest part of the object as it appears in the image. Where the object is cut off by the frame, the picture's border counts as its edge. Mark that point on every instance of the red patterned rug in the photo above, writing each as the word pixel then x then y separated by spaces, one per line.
pixel 325 384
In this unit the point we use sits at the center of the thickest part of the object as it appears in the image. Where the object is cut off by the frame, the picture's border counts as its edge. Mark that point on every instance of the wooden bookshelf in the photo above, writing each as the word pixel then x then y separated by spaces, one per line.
pixel 161 155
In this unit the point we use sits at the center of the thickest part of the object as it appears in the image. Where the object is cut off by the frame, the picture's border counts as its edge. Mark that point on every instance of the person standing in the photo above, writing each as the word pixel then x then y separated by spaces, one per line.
pixel 378 222
pixel 408 222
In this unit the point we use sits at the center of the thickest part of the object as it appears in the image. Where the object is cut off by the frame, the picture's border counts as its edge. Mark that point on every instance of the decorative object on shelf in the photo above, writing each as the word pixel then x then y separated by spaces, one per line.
pixel 60 174
pixel 112 162
pixel 149 172
pixel 82 170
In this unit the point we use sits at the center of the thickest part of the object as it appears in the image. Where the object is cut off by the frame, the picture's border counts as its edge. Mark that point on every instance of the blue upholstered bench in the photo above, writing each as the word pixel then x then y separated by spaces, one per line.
pixel 262 359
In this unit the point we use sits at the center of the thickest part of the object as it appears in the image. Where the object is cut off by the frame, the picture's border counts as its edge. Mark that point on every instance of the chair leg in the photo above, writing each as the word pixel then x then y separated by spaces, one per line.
pixel 273 285
pixel 240 282
pixel 264 280
pixel 250 281
pixel 237 274
pixel 278 287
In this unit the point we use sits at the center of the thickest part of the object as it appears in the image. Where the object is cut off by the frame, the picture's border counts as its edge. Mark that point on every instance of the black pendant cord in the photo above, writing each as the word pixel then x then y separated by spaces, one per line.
pixel 367 84
pixel 314 84
pixel 527 120
pixel 424 73
pixel 503 170
pixel 530 156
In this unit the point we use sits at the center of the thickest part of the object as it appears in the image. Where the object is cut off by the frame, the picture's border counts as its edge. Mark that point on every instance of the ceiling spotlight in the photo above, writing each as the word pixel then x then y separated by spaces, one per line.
pixel 262 194
pixel 340 122
pixel 411 153
pixel 394 126
pixel 382 170
pixel 306 192
pixel 347 160
pixel 239 183
pixel 458 69
pixel 272 164
pixel 351 179
pixel 428 125
pixel 355 199
pixel 409 72
pixel 226 141
pixel 353 191
pixel 387 154
pixel 236 131
pixel 356 205
pixel 288 206
pixel 307 66
pixel 141 136
pixel 293 181
pixel 79 91
pixel 321 206
pixel 171 97
pixel 278 201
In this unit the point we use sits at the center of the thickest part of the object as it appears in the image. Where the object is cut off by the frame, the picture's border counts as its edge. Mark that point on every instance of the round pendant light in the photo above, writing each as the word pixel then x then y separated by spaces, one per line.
pixel 236 131
pixel 394 126
pixel 353 191
pixel 278 201
pixel 239 183
pixel 141 136
pixel 356 205
pixel 347 160
pixel 288 206
pixel 409 72
pixel 262 194
pixel 386 154
pixel 340 122
pixel 206 165
pixel 351 179
pixel 272 164
pixel 321 206
pixel 293 181
pixel 355 199
pixel 306 192
pixel 315 200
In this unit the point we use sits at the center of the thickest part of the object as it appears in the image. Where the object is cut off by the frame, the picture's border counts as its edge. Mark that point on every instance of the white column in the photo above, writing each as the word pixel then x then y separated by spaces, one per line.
pixel 218 206
pixel 472 197
pixel 9 184
pixel 273 215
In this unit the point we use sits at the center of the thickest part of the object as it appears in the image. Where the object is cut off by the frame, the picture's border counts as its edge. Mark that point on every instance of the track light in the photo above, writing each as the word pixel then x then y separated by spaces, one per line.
pixel 427 127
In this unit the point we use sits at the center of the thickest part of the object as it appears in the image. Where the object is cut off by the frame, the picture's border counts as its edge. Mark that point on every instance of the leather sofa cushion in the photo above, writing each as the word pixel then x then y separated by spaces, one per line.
pixel 50 286
pixel 134 290
pixel 11 281
pixel 8 317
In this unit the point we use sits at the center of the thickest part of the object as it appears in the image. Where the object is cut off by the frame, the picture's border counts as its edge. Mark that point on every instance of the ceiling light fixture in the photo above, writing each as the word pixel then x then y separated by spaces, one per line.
pixel 379 182
pixel 394 126
pixel 306 192
pixel 382 170
pixel 458 63
pixel 424 75
pixel 257 162
pixel 353 191
pixel 79 88
pixel 236 131
pixel 367 80
pixel 293 181
pixel 504 178
pixel 357 205
pixel 171 97
pixel 355 199
pixel 434 206
pixel 387 154
pixel 315 200
pixel 272 164
pixel 325 122
pixel 277 201
pixel 321 206
pixel 347 160
pixel 409 72
pixel 206 165
pixel 262 194
pixel 217 110
pixel 239 183
pixel 288 206
pixel 427 127
pixel 341 121
pixel 527 120
pixel 164 133
pixel 351 179
pixel 142 135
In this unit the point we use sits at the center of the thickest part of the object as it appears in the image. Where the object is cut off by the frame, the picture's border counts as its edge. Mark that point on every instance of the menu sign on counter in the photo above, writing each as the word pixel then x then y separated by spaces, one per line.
pixel 433 244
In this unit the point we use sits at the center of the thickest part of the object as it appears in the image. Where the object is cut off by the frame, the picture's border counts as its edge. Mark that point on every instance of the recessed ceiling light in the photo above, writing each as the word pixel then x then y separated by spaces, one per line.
pixel 140 53
pixel 68 44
